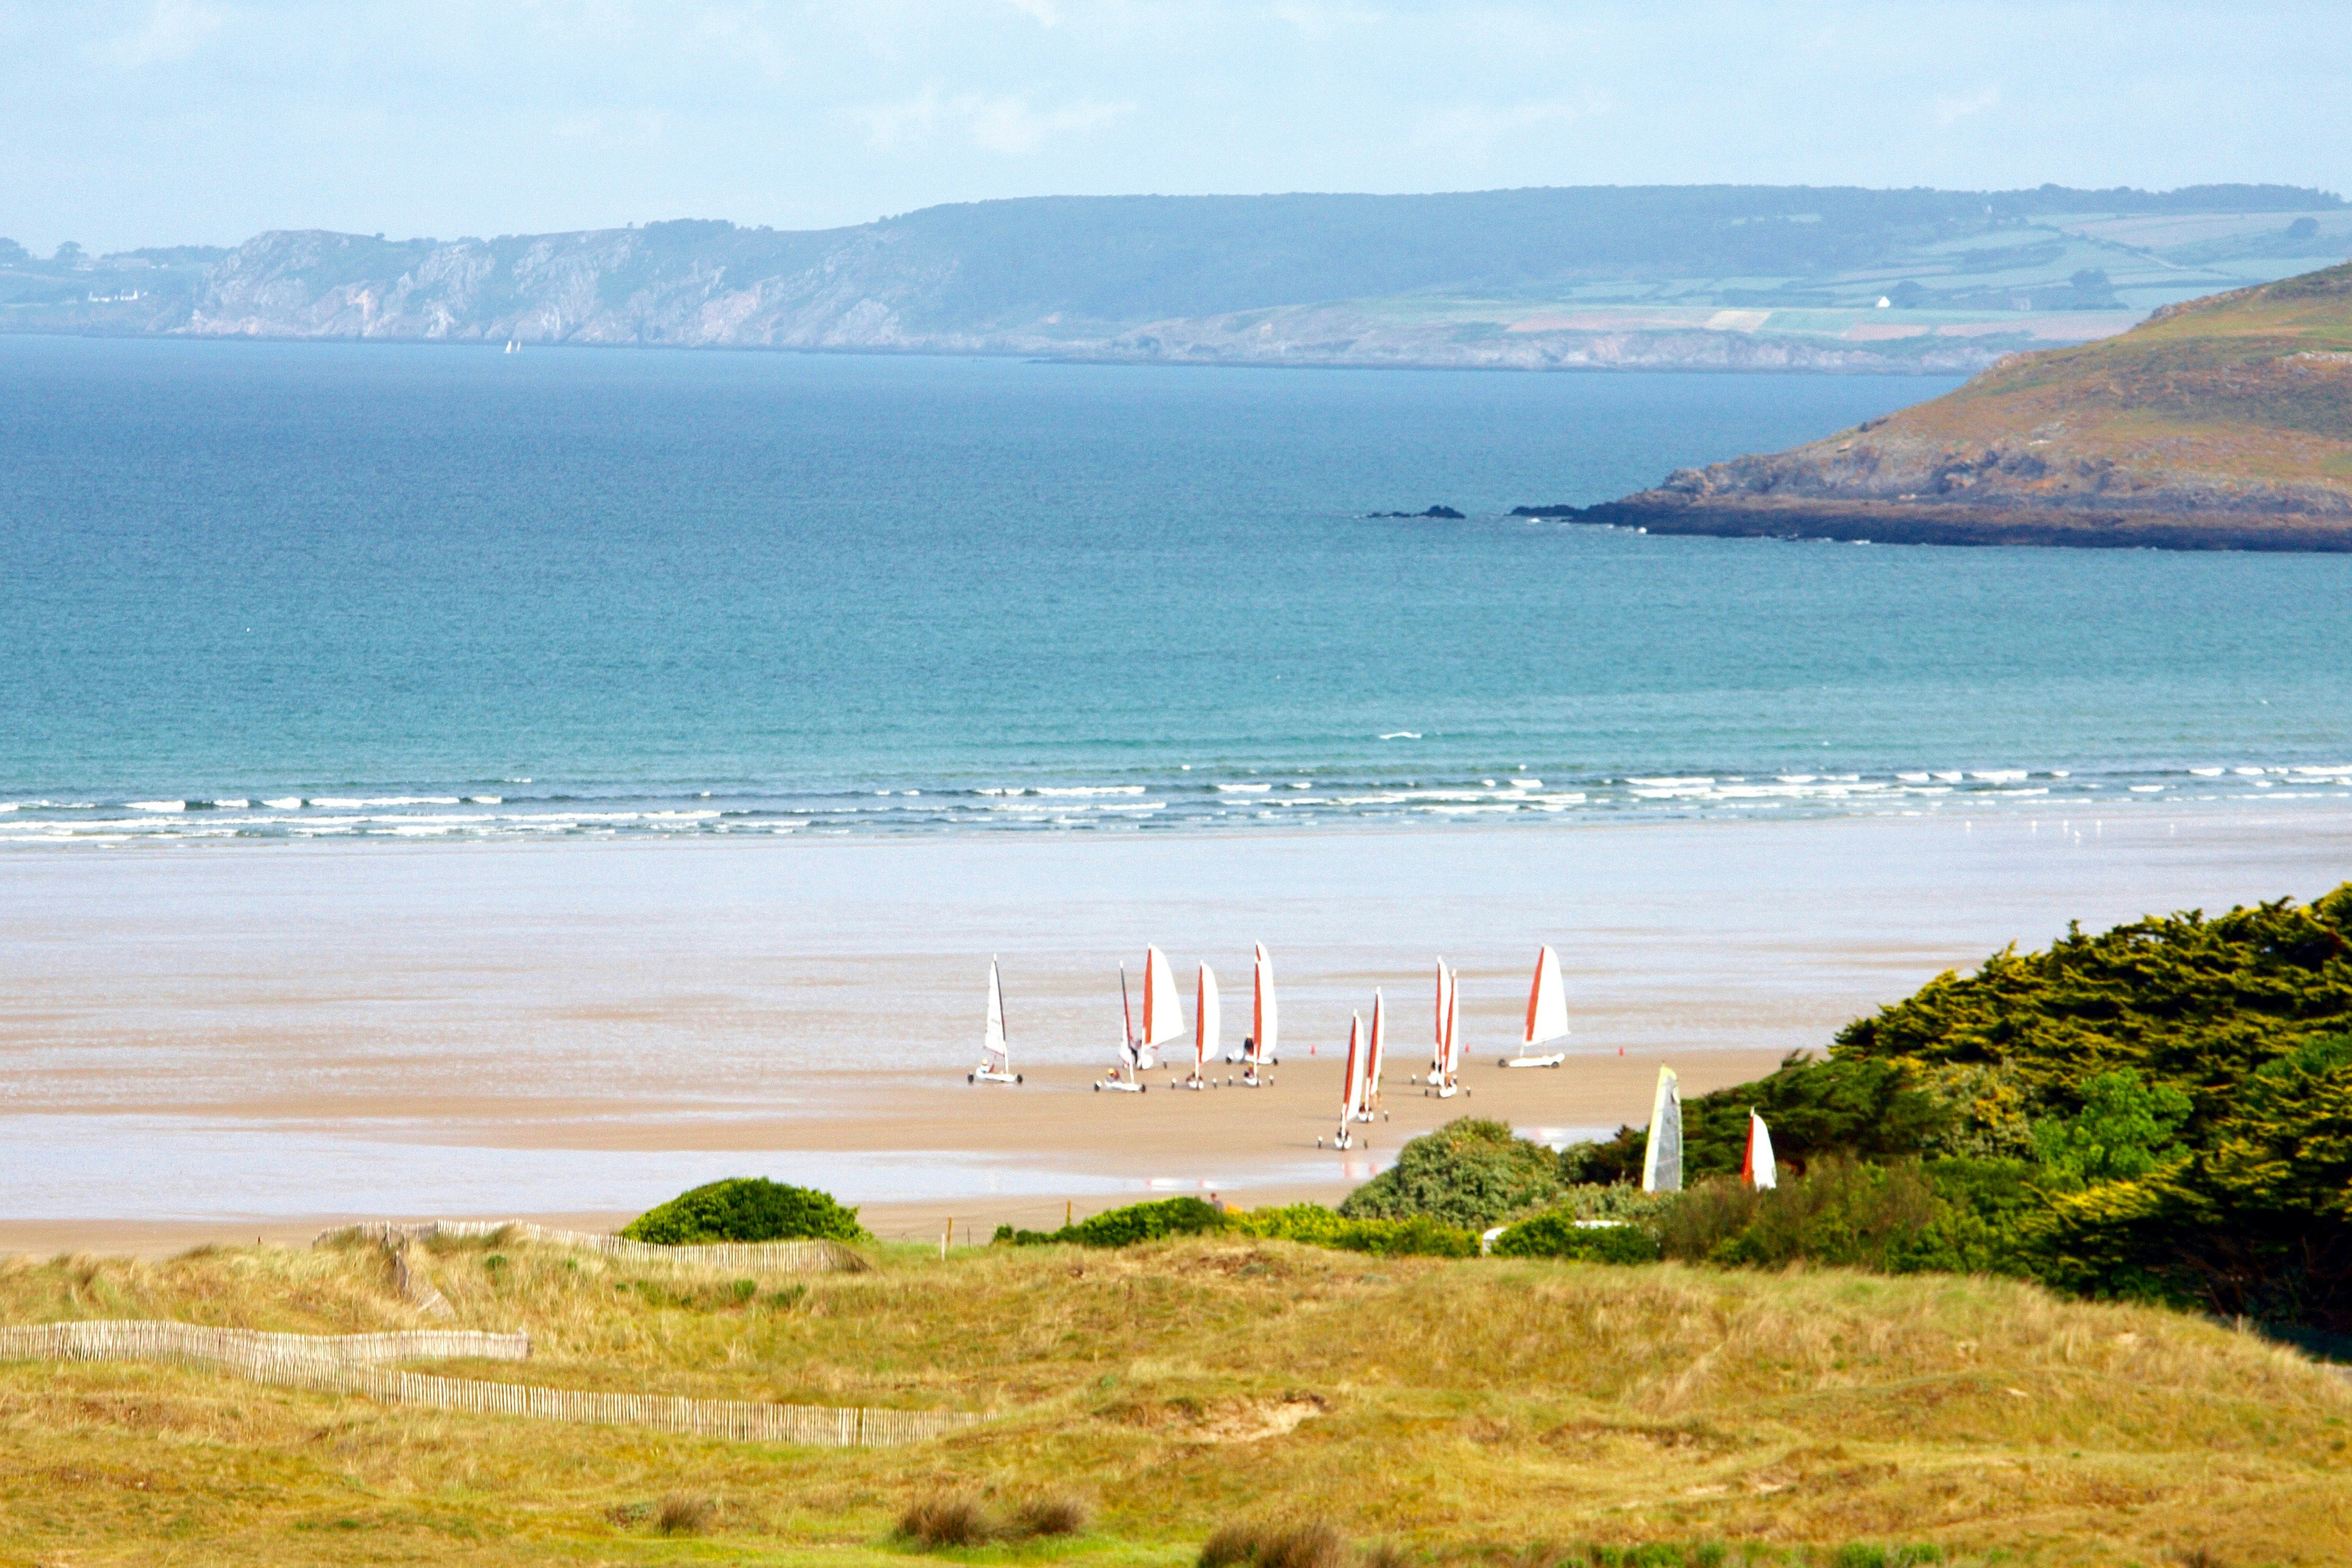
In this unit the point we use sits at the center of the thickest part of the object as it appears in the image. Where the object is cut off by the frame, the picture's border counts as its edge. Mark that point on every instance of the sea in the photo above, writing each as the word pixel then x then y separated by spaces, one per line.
pixel 256 592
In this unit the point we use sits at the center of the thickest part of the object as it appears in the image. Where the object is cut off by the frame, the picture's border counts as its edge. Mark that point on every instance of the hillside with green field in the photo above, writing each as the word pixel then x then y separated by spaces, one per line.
pixel 2221 423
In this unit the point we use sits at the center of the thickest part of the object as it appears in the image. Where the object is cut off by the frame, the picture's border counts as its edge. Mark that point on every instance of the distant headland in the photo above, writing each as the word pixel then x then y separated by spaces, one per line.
pixel 2221 423
pixel 1738 278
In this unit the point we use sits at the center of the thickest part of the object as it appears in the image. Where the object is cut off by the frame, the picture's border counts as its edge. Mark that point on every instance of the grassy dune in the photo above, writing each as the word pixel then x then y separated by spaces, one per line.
pixel 1490 1411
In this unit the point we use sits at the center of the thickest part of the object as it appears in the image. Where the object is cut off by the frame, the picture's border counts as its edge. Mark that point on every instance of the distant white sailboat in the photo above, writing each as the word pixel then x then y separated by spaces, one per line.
pixel 1547 1015
pixel 1126 1077
pixel 1351 1087
pixel 1662 1158
pixel 995 1051
pixel 1376 1052
pixel 1208 1017
pixel 1758 1168
pixel 1258 1052
pixel 1445 1054
pixel 514 345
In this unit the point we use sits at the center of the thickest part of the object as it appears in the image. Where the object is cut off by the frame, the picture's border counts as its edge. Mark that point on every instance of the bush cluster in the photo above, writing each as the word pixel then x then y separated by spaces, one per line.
pixel 745 1208
pixel 1558 1235
pixel 1470 1173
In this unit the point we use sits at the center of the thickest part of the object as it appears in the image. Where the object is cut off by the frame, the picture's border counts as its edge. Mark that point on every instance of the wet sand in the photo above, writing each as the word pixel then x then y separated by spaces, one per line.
pixel 222 1042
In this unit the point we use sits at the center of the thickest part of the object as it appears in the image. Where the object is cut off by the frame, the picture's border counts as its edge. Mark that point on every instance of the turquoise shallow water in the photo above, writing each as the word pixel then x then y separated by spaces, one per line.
pixel 297 590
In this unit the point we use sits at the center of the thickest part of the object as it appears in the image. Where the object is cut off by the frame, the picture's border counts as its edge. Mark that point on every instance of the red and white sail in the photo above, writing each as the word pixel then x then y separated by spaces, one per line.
pixel 1207 1020
pixel 1757 1167
pixel 1438 1046
pixel 1351 1091
pixel 1547 1002
pixel 1375 1051
pixel 1449 1033
pixel 1163 1014
pixel 1261 1018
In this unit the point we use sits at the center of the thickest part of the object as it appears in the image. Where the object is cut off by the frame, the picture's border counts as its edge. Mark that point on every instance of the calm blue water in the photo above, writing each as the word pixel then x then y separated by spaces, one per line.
pixel 365 589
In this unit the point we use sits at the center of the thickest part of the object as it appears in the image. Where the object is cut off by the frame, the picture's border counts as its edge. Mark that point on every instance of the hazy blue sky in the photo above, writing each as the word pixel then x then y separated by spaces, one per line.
pixel 127 124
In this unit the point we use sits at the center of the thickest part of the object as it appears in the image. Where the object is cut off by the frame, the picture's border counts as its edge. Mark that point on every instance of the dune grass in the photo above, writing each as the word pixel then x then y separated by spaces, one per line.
pixel 1524 1414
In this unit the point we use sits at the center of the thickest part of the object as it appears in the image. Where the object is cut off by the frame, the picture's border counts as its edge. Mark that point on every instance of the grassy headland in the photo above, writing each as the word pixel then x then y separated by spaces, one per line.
pixel 2224 422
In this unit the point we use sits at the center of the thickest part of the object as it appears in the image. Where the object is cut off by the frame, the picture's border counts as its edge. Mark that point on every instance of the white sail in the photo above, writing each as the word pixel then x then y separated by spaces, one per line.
pixel 1762 1171
pixel 1662 1161
pixel 1163 1014
pixel 1207 1018
pixel 1262 1019
pixel 1547 1002
pixel 992 1041
pixel 1374 1052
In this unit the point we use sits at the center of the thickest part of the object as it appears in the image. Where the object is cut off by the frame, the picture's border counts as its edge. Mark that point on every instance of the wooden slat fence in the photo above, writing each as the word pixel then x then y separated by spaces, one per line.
pixel 819 1256
pixel 351 1363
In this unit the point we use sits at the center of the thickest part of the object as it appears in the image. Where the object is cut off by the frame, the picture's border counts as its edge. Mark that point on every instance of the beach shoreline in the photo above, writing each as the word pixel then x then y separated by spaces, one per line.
pixel 212 1043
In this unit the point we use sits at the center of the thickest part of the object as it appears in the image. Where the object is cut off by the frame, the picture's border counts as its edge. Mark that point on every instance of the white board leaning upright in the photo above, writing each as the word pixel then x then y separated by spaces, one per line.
pixel 1546 1015
pixel 1662 1159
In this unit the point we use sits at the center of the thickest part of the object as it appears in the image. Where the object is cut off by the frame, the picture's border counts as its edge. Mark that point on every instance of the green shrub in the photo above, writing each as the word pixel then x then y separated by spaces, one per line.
pixel 1122 1227
pixel 2124 1131
pixel 1146 1222
pixel 745 1208
pixel 1416 1236
pixel 1557 1234
pixel 1837 1213
pixel 1309 1222
pixel 1468 1174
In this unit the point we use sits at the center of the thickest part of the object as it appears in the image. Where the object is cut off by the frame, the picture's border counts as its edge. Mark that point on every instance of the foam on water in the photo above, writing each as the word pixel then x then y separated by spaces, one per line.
pixel 1164 804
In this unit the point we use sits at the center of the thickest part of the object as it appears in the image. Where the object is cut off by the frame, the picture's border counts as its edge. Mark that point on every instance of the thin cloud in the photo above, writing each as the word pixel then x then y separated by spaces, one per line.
pixel 1475 130
pixel 173 30
pixel 1006 124
pixel 1951 108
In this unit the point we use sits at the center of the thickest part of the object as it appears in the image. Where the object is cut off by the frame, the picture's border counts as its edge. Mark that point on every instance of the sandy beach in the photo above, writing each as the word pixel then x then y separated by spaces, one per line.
pixel 202 1042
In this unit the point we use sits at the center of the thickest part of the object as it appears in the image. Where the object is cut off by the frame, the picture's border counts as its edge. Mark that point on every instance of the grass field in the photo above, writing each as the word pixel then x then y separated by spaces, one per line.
pixel 1516 1413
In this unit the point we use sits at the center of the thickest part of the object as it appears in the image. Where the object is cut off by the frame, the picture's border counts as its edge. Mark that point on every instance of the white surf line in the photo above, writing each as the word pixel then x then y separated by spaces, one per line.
pixel 818 1256
pixel 350 1363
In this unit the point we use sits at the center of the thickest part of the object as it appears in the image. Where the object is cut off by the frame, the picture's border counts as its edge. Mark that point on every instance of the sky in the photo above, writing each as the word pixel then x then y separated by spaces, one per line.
pixel 128 122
